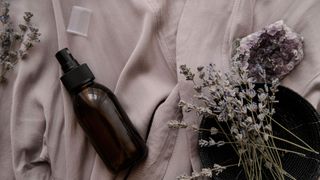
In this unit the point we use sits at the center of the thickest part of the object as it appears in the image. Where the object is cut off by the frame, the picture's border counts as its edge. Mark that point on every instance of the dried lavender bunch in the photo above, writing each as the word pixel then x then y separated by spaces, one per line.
pixel 233 101
pixel 275 49
pixel 205 172
pixel 15 42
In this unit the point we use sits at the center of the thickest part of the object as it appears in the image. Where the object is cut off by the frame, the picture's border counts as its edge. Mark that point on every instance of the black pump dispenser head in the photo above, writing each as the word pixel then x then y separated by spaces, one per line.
pixel 75 75
pixel 66 60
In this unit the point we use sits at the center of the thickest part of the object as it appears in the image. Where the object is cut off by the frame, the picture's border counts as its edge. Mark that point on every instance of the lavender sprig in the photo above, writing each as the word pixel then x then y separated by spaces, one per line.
pixel 15 42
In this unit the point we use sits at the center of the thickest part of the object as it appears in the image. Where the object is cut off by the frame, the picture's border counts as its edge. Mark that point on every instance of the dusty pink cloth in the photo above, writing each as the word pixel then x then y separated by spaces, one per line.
pixel 134 48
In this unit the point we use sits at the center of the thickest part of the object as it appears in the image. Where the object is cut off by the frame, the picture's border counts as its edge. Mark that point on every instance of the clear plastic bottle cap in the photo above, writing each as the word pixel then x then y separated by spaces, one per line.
pixel 79 21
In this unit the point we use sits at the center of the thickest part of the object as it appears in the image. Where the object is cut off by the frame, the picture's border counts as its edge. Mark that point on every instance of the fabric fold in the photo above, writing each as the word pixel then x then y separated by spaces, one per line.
pixel 135 48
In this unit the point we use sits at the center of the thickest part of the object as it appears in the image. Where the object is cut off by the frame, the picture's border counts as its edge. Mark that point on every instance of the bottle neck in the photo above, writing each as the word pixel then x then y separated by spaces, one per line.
pixel 77 77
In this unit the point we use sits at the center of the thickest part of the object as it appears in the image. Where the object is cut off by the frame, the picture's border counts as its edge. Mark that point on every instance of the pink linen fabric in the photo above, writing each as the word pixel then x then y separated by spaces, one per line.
pixel 134 48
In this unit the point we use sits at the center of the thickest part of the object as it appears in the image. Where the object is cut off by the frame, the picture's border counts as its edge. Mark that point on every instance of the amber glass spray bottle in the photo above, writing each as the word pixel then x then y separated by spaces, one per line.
pixel 99 113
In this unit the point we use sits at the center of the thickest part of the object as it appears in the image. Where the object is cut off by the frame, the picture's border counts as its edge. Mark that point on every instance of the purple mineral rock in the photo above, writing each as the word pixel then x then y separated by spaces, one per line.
pixel 275 50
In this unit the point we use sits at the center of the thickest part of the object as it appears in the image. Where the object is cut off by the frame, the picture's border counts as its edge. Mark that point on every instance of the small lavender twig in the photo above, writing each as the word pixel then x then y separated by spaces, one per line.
pixel 15 42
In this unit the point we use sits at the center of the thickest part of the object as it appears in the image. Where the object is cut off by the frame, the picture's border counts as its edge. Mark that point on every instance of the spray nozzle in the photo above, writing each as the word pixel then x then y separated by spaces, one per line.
pixel 66 60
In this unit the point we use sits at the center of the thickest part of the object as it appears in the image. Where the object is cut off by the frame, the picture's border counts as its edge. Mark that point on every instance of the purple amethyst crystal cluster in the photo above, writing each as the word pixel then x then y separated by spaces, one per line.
pixel 271 52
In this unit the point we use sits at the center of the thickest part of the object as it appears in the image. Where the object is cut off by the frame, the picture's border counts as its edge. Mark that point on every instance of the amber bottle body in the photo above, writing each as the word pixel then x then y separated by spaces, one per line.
pixel 108 127
pixel 101 116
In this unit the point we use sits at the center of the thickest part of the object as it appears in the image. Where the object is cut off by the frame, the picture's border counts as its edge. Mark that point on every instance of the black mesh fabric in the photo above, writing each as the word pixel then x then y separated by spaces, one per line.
pixel 294 113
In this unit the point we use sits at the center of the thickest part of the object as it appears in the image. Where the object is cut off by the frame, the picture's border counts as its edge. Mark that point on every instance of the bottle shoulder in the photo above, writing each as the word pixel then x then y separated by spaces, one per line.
pixel 93 87
pixel 94 95
pixel 96 85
